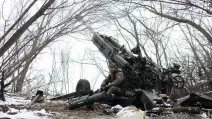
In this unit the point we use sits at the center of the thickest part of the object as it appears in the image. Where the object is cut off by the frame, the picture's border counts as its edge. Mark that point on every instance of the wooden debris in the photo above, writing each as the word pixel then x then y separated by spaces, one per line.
pixel 12 113
pixel 5 118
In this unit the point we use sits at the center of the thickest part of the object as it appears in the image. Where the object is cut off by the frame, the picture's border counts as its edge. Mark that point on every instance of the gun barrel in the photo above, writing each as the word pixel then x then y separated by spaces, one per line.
pixel 104 47
pixel 109 48
pixel 86 100
pixel 121 61
pixel 113 42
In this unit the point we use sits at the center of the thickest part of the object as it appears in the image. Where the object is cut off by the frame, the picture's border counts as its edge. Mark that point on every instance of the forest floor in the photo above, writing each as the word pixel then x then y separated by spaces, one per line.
pixel 58 110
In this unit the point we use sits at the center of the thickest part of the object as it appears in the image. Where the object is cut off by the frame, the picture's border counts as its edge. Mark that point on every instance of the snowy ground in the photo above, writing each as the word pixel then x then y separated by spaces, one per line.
pixel 17 109
pixel 56 110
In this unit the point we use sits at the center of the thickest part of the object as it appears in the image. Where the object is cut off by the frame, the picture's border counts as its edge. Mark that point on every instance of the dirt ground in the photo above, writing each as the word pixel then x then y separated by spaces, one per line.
pixel 59 110
pixel 98 112
pixel 80 113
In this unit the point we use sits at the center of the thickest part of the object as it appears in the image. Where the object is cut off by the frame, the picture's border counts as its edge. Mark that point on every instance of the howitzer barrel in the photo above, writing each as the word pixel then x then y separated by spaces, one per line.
pixel 112 42
pixel 110 49
pixel 86 100
pixel 103 46
pixel 121 61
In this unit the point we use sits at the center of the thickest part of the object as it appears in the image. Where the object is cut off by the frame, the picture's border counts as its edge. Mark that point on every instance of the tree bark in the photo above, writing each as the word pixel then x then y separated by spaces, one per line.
pixel 2 88
pixel 20 81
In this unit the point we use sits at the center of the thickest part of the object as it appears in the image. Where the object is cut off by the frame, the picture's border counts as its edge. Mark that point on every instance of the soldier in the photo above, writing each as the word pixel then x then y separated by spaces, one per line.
pixel 115 83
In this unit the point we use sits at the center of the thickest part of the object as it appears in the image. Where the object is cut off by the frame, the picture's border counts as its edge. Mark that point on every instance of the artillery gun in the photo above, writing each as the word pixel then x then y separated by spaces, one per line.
pixel 142 72
pixel 145 78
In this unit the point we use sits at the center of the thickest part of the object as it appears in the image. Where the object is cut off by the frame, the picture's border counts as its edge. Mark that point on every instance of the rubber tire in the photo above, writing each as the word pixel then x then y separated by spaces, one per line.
pixel 83 85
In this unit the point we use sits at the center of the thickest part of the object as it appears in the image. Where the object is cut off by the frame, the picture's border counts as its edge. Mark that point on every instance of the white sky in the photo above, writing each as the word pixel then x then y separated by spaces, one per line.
pixel 76 72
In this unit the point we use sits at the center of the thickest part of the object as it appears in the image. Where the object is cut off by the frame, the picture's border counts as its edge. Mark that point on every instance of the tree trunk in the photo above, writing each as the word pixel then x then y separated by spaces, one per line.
pixel 20 81
pixel 2 88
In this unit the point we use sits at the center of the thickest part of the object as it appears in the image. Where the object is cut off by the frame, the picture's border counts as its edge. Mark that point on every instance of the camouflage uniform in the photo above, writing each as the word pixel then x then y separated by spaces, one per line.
pixel 115 82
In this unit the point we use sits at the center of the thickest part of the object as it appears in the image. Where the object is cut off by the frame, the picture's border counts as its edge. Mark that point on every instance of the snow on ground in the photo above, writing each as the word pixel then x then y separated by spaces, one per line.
pixel 19 111
pixel 14 100
pixel 130 112
pixel 25 114
pixel 55 110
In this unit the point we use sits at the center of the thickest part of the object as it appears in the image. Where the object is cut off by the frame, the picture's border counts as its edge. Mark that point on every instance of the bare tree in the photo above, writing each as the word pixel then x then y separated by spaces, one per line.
pixel 34 34
pixel 187 12
pixel 180 31
pixel 151 36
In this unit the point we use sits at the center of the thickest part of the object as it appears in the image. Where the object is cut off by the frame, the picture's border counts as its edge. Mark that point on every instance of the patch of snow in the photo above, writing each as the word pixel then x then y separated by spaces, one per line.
pixel 21 113
pixel 168 105
pixel 204 116
pixel 126 112
pixel 12 100
pixel 131 112
pixel 117 107
pixel 42 111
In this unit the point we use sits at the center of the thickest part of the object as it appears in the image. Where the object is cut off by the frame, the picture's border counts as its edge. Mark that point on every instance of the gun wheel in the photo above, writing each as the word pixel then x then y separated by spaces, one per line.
pixel 83 85
pixel 178 82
